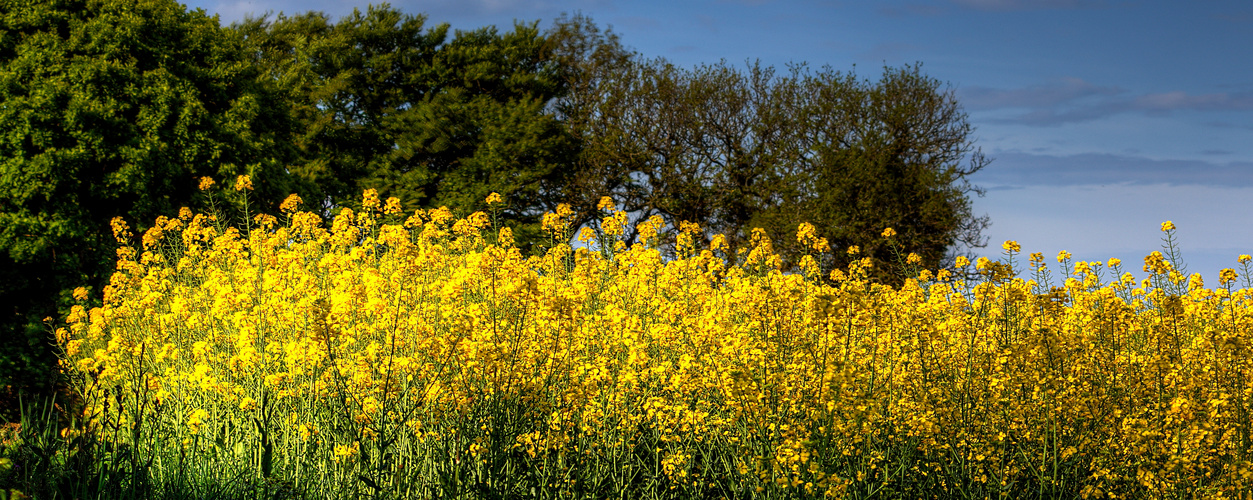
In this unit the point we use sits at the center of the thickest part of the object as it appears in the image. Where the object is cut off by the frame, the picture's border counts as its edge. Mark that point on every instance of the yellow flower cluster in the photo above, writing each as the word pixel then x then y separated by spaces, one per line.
pixel 377 347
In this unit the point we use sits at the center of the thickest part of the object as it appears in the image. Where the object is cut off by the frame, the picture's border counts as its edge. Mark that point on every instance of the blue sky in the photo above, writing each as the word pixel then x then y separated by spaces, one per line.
pixel 1104 118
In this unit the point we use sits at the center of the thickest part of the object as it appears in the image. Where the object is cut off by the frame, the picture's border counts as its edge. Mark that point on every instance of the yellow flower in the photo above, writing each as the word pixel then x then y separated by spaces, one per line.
pixel 673 343
pixel 392 206
pixel 1114 262
pixel 370 199
pixel 504 237
pixel 494 198
pixel 243 182
pixel 889 232
pixel 121 232
pixel 853 250
pixel 1011 246
pixel 586 234
pixel 344 452
pixel 1244 258
pixel 80 294
pixel 197 419
pixel 962 261
pixel 1168 226
pixel 804 232
pixel 1063 256
pixel 605 204
pixel 291 203
pixel 206 183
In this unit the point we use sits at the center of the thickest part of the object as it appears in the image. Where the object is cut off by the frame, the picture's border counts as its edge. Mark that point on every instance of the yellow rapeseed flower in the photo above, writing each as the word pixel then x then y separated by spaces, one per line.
pixel 197 419
pixel 1168 226
pixel 605 204
pixel 291 203
pixel 434 333
pixel 392 206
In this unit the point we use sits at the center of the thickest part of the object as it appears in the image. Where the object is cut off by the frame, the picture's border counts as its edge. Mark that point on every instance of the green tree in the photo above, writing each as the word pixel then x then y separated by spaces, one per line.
pixel 735 149
pixel 434 121
pixel 894 153
pixel 112 108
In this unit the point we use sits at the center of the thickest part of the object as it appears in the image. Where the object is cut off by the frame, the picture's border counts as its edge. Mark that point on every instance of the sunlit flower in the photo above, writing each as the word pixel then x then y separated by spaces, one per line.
pixel 437 336
pixel 605 204
pixel 290 204
pixel 243 182
pixel 392 206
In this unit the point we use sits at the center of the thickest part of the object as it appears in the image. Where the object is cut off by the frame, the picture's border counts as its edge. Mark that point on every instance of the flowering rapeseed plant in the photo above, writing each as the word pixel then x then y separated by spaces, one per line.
pixel 411 356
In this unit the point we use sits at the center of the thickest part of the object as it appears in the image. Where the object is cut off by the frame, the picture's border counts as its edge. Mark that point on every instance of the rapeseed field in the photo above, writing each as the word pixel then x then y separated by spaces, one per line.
pixel 391 355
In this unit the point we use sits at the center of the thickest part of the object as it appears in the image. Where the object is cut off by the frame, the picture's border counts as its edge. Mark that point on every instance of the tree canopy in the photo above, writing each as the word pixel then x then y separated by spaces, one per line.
pixel 113 109
pixel 384 102
pixel 734 150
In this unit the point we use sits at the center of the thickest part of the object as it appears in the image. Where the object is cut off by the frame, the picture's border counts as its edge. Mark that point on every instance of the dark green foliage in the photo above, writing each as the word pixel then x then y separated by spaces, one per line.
pixel 111 108
pixel 736 149
pixel 430 120
pixel 894 153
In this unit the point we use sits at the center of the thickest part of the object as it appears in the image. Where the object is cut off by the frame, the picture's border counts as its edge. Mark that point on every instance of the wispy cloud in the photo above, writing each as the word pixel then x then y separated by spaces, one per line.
pixel 888 51
pixel 1062 91
pixel 1226 124
pixel 932 10
pixel 1235 17
pixel 922 10
pixel 1073 100
pixel 1015 168
pixel 1009 5
pixel 707 22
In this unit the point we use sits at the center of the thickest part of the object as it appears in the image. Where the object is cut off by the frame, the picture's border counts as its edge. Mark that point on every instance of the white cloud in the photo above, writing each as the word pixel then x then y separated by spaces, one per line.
pixel 1006 5
pixel 1072 100
pixel 1013 168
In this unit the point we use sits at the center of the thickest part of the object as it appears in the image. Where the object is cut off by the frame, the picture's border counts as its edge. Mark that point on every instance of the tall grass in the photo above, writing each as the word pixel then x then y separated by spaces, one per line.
pixel 425 357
